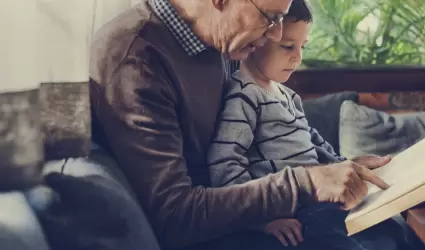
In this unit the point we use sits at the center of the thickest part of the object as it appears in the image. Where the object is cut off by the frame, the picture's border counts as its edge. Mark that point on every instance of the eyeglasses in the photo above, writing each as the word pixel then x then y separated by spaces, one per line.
pixel 272 21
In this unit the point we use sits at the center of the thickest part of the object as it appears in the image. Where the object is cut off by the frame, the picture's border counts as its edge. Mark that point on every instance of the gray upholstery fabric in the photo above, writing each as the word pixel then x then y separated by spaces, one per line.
pixel 367 131
pixel 19 228
pixel 53 122
pixel 96 210
pixel 21 141
pixel 323 114
pixel 66 119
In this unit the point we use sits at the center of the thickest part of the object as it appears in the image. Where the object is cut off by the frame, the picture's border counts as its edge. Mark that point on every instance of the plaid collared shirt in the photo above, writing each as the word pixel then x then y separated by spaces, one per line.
pixel 180 30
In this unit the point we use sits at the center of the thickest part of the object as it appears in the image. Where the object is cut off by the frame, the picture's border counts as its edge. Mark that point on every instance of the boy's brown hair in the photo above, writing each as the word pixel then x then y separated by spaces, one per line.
pixel 300 10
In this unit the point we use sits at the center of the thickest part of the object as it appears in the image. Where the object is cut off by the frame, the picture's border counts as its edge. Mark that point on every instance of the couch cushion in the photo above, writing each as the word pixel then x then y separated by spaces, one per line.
pixel 94 212
pixel 66 119
pixel 323 114
pixel 21 141
pixel 368 131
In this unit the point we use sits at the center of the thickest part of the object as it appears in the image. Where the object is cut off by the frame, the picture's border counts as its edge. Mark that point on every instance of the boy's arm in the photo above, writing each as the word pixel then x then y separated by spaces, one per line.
pixel 318 141
pixel 227 160
pixel 227 156
pixel 316 138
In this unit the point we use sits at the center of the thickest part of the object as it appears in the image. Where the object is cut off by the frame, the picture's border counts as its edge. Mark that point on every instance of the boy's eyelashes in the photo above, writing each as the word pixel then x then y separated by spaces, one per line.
pixel 290 47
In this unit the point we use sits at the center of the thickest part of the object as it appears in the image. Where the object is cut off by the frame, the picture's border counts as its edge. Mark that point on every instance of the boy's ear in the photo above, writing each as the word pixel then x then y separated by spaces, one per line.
pixel 219 4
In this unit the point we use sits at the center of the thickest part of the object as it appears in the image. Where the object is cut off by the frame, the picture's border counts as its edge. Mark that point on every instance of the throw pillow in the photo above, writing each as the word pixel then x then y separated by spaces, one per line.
pixel 365 130
pixel 323 114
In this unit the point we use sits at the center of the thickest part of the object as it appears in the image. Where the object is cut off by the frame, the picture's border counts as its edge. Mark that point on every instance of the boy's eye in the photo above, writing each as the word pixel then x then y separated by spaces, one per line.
pixel 290 47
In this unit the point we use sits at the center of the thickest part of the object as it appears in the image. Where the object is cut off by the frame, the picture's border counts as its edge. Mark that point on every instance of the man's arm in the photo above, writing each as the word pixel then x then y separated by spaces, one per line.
pixel 142 127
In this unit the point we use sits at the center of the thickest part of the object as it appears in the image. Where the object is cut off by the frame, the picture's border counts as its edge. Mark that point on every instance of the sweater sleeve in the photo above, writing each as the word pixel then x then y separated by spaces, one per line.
pixel 227 160
pixel 138 112
pixel 317 140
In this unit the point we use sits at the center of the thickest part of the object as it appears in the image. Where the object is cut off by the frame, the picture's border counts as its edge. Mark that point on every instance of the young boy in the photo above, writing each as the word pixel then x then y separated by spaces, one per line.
pixel 263 130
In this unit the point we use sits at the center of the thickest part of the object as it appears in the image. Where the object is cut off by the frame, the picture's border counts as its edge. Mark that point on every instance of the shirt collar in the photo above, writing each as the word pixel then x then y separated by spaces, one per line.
pixel 243 76
pixel 180 30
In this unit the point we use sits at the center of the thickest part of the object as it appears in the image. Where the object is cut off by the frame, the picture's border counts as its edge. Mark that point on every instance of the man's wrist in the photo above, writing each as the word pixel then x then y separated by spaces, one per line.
pixel 305 185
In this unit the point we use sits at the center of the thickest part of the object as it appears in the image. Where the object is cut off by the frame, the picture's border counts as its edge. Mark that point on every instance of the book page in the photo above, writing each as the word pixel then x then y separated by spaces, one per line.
pixel 394 207
pixel 407 164
pixel 404 173
pixel 382 197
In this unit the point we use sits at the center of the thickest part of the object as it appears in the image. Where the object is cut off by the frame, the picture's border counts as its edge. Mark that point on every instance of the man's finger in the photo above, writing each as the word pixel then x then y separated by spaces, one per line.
pixel 354 187
pixel 298 223
pixel 372 161
pixel 359 188
pixel 287 231
pixel 297 230
pixel 280 237
pixel 368 175
pixel 379 162
pixel 349 199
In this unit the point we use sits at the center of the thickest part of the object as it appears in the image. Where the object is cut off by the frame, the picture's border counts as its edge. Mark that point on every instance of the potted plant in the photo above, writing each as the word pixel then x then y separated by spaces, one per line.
pixel 364 46
pixel 358 33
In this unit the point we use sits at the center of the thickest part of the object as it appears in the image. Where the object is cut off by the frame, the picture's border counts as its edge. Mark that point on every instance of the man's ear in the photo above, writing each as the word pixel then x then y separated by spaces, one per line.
pixel 219 4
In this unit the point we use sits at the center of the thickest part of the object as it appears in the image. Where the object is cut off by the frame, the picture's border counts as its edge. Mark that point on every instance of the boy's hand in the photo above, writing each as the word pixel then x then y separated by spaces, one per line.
pixel 284 230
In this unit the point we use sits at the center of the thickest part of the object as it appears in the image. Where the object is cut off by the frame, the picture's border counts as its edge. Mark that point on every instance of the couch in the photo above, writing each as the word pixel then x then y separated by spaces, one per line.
pixel 81 201
pixel 73 165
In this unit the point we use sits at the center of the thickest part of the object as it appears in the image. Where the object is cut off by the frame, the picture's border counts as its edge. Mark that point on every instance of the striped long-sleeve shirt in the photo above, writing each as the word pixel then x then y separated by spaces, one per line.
pixel 259 133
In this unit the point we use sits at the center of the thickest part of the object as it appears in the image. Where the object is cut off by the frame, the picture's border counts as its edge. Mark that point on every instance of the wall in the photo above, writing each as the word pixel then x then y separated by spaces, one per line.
pixel 48 40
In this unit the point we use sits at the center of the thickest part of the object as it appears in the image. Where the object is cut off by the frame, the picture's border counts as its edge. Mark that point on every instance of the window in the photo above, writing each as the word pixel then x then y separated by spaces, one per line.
pixel 355 33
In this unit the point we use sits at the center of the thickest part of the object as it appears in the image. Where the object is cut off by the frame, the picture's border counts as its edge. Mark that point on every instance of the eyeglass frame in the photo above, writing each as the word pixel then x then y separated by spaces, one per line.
pixel 272 23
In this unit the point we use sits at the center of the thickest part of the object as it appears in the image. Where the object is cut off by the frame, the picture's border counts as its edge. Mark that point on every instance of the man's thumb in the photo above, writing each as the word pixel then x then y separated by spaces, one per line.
pixel 384 160
pixel 374 161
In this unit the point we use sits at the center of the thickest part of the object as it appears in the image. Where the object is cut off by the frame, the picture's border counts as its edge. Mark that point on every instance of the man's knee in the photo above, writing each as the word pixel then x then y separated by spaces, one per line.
pixel 19 227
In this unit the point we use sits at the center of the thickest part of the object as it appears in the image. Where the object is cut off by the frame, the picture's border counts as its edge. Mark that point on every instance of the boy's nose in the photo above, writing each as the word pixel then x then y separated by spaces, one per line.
pixel 297 57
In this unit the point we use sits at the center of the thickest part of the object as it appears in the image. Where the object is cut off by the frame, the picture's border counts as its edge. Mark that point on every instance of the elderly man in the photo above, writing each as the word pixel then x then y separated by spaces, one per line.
pixel 158 71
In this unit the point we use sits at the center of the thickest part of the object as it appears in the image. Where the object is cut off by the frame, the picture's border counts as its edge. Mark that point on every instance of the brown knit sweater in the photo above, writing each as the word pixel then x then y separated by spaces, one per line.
pixel 157 106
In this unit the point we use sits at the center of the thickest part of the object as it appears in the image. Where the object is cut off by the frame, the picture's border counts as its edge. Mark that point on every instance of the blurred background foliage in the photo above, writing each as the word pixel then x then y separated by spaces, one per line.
pixel 356 33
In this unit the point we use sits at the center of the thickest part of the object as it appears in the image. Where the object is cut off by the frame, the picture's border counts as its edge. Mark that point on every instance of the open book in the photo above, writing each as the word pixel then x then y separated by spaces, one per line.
pixel 406 176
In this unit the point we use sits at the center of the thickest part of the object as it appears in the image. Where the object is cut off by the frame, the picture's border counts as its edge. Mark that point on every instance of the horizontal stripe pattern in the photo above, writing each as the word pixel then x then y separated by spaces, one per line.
pixel 259 134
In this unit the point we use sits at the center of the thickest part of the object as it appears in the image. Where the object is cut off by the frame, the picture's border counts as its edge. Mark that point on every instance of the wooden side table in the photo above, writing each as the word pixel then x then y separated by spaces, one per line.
pixel 416 220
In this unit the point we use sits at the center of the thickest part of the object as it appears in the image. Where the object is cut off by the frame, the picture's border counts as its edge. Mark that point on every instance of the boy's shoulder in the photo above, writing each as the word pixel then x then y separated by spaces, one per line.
pixel 239 84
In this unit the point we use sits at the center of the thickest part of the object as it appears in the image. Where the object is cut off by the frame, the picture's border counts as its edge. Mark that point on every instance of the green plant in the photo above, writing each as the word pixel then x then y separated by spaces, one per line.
pixel 366 32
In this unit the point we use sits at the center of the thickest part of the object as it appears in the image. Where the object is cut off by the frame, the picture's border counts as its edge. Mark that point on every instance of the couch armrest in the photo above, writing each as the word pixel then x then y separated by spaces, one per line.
pixel 66 119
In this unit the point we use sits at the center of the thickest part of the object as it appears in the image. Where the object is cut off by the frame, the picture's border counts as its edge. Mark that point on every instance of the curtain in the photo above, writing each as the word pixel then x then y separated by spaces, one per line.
pixel 65 29
pixel 17 45
pixel 48 40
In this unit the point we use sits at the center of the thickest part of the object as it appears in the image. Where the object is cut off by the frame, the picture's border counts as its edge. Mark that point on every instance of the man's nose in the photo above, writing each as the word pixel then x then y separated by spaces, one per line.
pixel 275 33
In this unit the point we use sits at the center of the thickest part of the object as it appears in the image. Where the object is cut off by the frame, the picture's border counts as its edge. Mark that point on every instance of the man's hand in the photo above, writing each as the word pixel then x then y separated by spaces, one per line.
pixel 284 230
pixel 344 182
pixel 372 161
